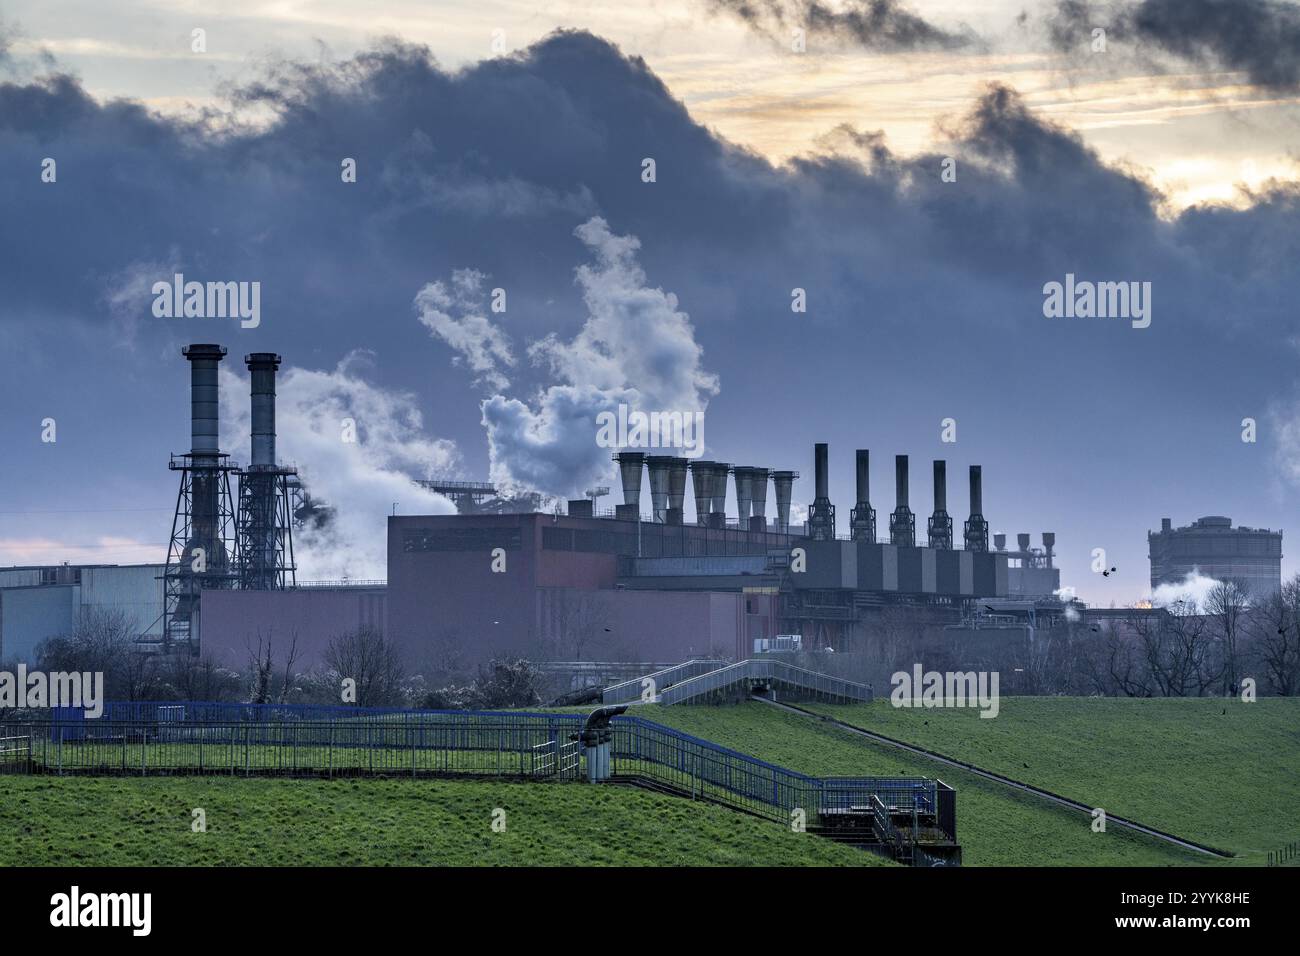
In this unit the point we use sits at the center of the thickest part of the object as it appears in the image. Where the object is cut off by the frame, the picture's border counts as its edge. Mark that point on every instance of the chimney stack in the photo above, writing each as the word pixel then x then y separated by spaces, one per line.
pixel 261 372
pixel 676 491
pixel 1049 542
pixel 940 530
pixel 204 360
pixel 821 516
pixel 702 482
pixel 902 523
pixel 744 476
pixel 977 529
pixel 658 466
pixel 783 486
pixel 862 519
pixel 758 499
pixel 718 518
pixel 630 464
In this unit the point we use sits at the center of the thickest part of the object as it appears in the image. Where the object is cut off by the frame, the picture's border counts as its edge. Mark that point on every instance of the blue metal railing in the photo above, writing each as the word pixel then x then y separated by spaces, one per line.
pixel 251 739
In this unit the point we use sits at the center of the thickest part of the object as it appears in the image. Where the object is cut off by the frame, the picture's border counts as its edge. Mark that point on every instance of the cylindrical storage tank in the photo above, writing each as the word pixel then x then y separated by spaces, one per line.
pixel 1000 541
pixel 1022 542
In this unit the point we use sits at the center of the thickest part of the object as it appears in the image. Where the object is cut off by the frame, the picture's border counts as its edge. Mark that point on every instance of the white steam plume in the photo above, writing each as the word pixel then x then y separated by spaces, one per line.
pixel 360 480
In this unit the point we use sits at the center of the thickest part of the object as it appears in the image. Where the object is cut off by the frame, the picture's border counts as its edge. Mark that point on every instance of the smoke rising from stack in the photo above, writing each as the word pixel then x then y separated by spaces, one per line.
pixel 359 481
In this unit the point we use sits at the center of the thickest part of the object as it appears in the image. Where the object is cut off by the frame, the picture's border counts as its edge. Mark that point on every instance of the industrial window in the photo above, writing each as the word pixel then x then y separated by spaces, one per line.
pixel 583 539
pixel 461 539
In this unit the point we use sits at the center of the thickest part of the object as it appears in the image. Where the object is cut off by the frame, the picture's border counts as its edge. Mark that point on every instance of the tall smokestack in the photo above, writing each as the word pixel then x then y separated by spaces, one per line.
pixel 821 469
pixel 783 482
pixel 204 398
pixel 677 468
pixel 702 482
pixel 261 373
pixel 658 466
pixel 1049 542
pixel 977 529
pixel 744 494
pixel 862 519
pixel 940 523
pixel 902 523
pixel 630 464
pixel 821 516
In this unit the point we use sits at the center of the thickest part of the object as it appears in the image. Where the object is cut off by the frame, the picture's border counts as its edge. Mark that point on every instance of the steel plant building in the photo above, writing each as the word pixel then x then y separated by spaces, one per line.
pixel 1216 549
pixel 631 587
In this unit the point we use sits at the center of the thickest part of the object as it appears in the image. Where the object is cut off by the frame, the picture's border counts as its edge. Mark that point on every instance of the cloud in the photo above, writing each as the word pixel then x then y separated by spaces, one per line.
pixel 883 25
pixel 1260 38
pixel 916 287
pixel 482 346
pixel 635 348
pixel 360 480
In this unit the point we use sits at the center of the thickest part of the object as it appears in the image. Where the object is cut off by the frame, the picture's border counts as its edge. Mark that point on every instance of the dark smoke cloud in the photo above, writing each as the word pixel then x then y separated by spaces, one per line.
pixel 884 25
pixel 1260 38
pixel 924 296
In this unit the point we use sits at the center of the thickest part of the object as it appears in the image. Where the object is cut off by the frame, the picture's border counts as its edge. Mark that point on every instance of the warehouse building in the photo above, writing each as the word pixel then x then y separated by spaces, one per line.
pixel 39 602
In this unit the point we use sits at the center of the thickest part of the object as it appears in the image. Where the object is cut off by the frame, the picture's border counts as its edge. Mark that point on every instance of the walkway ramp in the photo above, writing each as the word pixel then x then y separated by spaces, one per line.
pixel 631 691
pixel 768 678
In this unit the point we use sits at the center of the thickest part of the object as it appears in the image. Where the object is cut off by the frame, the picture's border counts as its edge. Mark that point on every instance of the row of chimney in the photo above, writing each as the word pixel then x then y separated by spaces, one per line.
pixel 1022 540
pixel 709 479
pixel 709 484
pixel 902 522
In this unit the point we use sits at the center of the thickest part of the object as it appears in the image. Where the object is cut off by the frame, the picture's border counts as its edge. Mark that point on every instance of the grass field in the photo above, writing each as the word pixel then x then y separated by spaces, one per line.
pixel 1232 780
pixel 46 821
pixel 1224 773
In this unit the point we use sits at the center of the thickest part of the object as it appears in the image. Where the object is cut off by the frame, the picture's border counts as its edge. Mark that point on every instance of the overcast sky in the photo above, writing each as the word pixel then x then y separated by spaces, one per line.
pixel 1167 157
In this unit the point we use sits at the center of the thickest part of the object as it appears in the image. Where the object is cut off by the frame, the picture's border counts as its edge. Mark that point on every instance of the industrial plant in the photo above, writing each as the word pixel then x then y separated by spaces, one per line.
pixel 620 584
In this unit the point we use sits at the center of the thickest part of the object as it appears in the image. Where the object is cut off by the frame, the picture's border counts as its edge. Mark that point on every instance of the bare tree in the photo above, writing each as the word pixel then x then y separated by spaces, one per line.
pixel 582 624
pixel 1275 629
pixel 366 657
pixel 1226 606
pixel 103 640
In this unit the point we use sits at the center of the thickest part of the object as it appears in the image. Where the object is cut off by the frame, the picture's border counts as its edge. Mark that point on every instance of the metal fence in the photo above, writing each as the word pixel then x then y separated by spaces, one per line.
pixel 506 744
